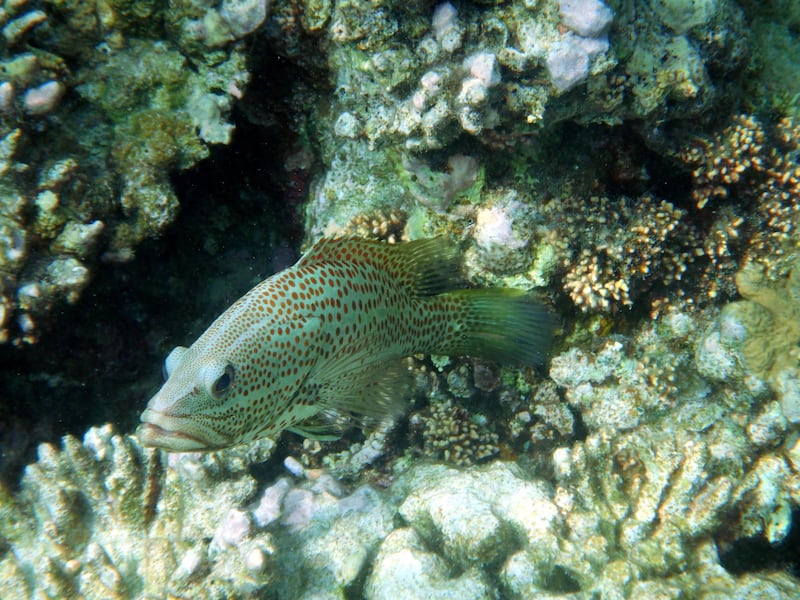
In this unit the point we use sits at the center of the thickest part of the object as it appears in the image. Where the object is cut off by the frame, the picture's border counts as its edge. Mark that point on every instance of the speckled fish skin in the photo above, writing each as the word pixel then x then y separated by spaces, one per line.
pixel 326 337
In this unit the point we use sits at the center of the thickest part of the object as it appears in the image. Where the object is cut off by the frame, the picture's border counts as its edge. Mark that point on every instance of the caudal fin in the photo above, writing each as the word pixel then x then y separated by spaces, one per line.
pixel 501 324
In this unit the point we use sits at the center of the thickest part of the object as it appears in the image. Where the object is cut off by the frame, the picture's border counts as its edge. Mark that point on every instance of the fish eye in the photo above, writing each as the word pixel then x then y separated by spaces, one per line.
pixel 223 383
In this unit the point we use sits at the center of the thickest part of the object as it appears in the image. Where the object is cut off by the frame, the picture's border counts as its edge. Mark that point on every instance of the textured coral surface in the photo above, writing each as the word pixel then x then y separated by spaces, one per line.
pixel 634 164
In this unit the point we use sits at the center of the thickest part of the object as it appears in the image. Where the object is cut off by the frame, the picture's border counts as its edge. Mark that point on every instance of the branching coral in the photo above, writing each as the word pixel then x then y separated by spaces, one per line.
pixel 749 175
pixel 452 433
pixel 746 179
pixel 612 250
pixel 383 225
pixel 732 158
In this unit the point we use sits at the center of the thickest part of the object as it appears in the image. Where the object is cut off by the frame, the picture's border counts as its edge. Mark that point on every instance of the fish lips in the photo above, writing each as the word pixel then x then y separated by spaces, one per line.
pixel 169 433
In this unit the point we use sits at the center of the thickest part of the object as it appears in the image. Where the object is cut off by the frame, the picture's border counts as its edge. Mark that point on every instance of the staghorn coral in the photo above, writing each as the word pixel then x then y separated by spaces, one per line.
pixel 192 529
pixel 663 492
pixel 667 462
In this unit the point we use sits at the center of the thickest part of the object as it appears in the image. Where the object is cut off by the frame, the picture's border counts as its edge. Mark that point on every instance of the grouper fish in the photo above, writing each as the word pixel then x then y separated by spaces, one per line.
pixel 322 342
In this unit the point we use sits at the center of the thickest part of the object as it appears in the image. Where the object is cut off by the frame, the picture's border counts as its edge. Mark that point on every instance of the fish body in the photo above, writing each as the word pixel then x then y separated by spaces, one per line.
pixel 324 338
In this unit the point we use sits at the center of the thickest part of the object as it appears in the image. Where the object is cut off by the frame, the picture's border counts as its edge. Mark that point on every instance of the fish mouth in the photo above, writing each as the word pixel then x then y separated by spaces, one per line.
pixel 154 435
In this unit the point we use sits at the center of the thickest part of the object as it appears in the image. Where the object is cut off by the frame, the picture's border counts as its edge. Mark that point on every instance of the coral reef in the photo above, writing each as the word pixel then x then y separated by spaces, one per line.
pixel 604 251
pixel 98 107
pixel 95 510
pixel 408 83
pixel 673 466
pixel 496 521
pixel 745 184
pixel 765 328
pixel 566 145
pixel 475 70
pixel 106 519
pixel 749 173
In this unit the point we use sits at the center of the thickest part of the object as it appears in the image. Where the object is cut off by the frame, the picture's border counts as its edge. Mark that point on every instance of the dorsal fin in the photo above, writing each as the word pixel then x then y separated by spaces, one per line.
pixel 427 267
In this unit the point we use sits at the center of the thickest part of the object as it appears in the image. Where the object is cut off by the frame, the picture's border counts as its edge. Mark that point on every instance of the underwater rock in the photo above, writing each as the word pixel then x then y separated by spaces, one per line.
pixel 569 60
pixel 567 65
pixel 404 568
pixel 460 513
pixel 682 15
pixel 588 18
pixel 243 16
pixel 498 234
pixel 43 99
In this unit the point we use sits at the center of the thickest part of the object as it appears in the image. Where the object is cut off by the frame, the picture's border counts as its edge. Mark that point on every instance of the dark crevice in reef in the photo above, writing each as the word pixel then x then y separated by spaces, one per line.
pixel 102 358
pixel 756 554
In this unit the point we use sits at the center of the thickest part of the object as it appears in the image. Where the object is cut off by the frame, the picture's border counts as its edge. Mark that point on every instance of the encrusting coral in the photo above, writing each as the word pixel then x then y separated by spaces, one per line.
pixel 768 320
pixel 98 107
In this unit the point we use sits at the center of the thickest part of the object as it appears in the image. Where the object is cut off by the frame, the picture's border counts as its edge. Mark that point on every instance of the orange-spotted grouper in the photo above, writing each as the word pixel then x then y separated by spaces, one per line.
pixel 324 339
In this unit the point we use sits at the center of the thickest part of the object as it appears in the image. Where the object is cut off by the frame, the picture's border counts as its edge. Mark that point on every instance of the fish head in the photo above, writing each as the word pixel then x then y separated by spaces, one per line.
pixel 189 412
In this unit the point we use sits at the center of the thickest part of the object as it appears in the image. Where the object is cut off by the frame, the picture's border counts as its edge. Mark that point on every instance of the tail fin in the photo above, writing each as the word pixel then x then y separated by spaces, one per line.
pixel 504 325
